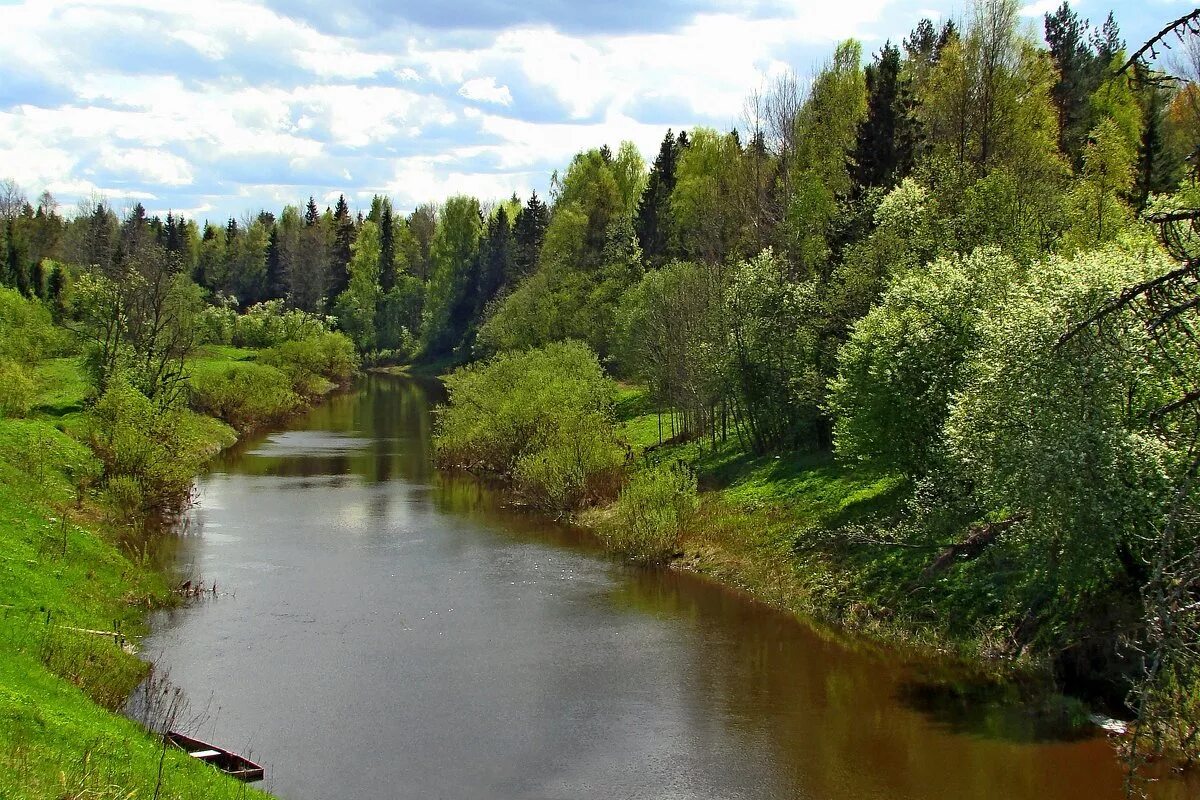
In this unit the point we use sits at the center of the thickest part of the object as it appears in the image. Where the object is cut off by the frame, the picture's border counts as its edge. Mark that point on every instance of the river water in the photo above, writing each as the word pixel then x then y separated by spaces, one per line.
pixel 383 630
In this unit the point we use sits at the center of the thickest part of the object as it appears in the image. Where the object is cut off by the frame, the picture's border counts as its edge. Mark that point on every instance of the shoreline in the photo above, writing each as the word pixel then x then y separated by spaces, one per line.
pixel 63 689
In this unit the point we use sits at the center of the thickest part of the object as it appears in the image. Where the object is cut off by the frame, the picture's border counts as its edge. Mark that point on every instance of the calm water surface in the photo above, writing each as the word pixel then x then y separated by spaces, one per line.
pixel 386 631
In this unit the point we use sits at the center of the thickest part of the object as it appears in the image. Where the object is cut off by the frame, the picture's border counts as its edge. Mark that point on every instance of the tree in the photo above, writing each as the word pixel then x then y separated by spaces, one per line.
pixel 453 280
pixel 906 359
pixel 497 266
pixel 387 245
pixel 888 137
pixel 339 257
pixel 529 232
pixel 356 306
pixel 774 331
pixel 706 225
pixel 653 222
pixel 1066 34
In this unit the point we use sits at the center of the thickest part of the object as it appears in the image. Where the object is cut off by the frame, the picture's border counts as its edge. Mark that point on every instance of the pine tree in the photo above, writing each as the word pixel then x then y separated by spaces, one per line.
pixel 1077 75
pixel 387 246
pixel 311 215
pixel 343 238
pixel 653 223
pixel 888 137
pixel 277 287
pixel 529 232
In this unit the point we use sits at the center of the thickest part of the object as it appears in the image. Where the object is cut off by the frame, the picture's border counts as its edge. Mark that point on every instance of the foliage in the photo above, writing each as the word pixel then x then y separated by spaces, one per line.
pixel 244 394
pixel 543 417
pixel 27 331
pixel 271 323
pixel 774 354
pixel 905 360
pixel 327 356
pixel 150 452
pixel 17 389
pixel 652 512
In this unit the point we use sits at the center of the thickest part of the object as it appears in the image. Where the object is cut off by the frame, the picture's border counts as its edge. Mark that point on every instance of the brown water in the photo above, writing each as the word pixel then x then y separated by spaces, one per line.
pixel 393 632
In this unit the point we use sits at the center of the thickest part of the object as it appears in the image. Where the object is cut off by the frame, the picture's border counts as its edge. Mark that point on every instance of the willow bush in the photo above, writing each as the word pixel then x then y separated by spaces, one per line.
pixel 542 419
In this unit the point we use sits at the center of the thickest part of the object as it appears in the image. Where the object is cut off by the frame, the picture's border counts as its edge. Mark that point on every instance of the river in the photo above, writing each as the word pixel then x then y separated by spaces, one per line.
pixel 383 630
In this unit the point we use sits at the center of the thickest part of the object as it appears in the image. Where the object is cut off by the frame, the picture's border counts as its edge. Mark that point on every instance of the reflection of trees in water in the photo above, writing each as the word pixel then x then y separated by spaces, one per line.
pixel 846 723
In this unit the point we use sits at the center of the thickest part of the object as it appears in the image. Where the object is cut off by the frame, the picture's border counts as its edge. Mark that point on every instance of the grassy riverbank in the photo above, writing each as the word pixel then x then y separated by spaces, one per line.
pixel 762 523
pixel 70 565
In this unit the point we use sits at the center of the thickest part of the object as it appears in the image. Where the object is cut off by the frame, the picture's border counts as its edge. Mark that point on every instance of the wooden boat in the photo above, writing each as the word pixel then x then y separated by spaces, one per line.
pixel 231 764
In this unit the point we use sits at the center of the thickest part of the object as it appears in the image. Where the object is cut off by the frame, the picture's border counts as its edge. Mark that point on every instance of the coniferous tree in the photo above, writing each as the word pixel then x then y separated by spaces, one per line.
pixel 529 232
pixel 497 265
pixel 387 247
pixel 1066 34
pixel 1154 171
pixel 343 237
pixel 653 222
pixel 16 271
pixel 277 287
pixel 311 215
pixel 888 137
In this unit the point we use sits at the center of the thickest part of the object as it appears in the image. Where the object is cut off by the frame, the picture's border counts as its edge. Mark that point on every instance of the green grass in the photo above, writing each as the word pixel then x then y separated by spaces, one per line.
pixel 62 568
pixel 63 386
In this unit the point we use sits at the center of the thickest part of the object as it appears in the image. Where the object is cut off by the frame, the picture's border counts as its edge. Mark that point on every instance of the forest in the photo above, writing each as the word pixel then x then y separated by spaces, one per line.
pixel 962 266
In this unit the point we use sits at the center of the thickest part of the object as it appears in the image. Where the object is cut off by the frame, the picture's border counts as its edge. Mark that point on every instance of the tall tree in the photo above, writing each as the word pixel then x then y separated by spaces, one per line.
pixel 454 275
pixel 343 237
pixel 1066 34
pixel 529 233
pixel 653 221
pixel 888 137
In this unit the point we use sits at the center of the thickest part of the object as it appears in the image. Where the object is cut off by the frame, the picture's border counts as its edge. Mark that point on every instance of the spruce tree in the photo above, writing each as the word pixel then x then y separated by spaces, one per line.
pixel 277 288
pixel 1153 170
pixel 387 247
pixel 528 233
pixel 888 136
pixel 311 215
pixel 343 238
pixel 653 222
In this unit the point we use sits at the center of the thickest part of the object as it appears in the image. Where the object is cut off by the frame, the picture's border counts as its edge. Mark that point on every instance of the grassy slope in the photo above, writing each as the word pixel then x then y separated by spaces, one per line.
pixel 62 567
pixel 757 514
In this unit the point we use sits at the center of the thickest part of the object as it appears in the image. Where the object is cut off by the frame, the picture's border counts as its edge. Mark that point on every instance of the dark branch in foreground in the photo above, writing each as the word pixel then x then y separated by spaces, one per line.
pixel 1188 23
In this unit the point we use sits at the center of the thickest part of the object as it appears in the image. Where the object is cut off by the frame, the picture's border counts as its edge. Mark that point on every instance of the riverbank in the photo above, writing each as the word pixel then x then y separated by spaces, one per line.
pixel 763 524
pixel 70 563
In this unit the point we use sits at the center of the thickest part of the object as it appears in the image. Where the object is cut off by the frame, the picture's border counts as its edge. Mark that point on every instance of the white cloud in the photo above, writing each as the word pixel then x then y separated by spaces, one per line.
pixel 485 90
pixel 1039 8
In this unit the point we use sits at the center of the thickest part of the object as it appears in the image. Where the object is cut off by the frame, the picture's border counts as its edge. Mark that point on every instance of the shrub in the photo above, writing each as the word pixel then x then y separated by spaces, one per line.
pixel 652 512
pixel 216 324
pixel 543 418
pixel 326 356
pixel 149 452
pixel 270 323
pixel 244 394
pixel 18 392
pixel 27 331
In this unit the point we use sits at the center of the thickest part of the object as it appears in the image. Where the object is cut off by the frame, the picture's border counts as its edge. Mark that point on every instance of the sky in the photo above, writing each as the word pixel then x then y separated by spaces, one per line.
pixel 219 109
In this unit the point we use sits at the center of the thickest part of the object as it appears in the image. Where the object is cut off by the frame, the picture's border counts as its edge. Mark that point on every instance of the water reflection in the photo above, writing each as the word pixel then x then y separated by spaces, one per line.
pixel 399 632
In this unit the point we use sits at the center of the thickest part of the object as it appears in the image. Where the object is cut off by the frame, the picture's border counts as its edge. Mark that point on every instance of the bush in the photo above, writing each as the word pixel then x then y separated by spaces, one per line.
pixel 308 362
pixel 149 452
pixel 244 394
pixel 27 331
pixel 18 392
pixel 216 324
pixel 652 512
pixel 270 323
pixel 543 418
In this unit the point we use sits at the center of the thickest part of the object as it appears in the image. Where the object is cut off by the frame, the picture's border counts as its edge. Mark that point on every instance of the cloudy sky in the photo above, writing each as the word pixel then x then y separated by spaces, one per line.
pixel 218 108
